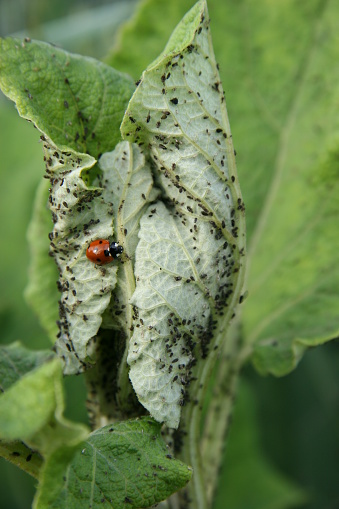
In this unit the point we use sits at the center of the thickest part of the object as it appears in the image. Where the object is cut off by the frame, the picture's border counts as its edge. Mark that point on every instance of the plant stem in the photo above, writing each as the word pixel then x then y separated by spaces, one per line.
pixel 219 414
pixel 203 451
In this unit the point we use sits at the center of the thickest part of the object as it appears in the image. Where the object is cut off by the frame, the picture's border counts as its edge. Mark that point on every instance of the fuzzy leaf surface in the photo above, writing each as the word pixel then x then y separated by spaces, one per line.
pixel 189 258
pixel 21 456
pixel 127 186
pixel 78 102
pixel 128 183
pixel 122 465
pixel 80 215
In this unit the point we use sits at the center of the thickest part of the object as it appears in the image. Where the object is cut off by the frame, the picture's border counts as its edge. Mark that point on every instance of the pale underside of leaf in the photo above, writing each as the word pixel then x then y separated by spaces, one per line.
pixel 127 183
pixel 127 186
pixel 188 260
pixel 80 215
pixel 175 294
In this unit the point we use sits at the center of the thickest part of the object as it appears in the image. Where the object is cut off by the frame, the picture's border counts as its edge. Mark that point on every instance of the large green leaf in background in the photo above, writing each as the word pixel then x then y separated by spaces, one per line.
pixel 279 68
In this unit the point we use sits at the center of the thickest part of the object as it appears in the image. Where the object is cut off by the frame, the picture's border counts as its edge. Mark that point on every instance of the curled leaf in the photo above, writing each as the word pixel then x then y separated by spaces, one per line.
pixel 76 101
pixel 189 267
pixel 127 183
pixel 80 215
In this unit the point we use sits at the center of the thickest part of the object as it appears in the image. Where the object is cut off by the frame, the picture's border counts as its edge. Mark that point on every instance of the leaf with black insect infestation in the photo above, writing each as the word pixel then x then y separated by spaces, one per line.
pixel 190 258
pixel 122 465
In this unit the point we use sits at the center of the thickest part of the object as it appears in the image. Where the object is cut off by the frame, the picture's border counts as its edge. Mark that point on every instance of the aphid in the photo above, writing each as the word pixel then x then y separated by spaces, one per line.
pixel 101 251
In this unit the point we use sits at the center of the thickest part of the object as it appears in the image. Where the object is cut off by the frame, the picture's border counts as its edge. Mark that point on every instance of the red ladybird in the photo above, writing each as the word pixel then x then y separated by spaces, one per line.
pixel 101 251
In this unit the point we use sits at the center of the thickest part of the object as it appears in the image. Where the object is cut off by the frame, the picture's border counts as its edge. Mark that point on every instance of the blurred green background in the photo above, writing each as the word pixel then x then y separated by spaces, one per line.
pixel 293 422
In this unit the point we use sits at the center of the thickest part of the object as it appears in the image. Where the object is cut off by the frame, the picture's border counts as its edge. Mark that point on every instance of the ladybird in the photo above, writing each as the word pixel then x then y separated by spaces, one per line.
pixel 101 251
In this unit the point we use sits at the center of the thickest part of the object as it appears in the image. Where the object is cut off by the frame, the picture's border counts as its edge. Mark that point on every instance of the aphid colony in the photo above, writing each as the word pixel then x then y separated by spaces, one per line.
pixel 182 124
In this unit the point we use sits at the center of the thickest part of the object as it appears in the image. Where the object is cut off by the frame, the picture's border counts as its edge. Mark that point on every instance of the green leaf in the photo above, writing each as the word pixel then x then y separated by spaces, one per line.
pixel 22 456
pixel 76 101
pixel 80 215
pixel 31 408
pixel 121 465
pixel 189 258
pixel 41 292
pixel 294 276
pixel 17 361
pixel 247 479
pixel 278 64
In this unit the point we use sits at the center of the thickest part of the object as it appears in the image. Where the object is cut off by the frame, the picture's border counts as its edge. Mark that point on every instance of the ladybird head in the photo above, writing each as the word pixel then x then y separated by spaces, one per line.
pixel 115 249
